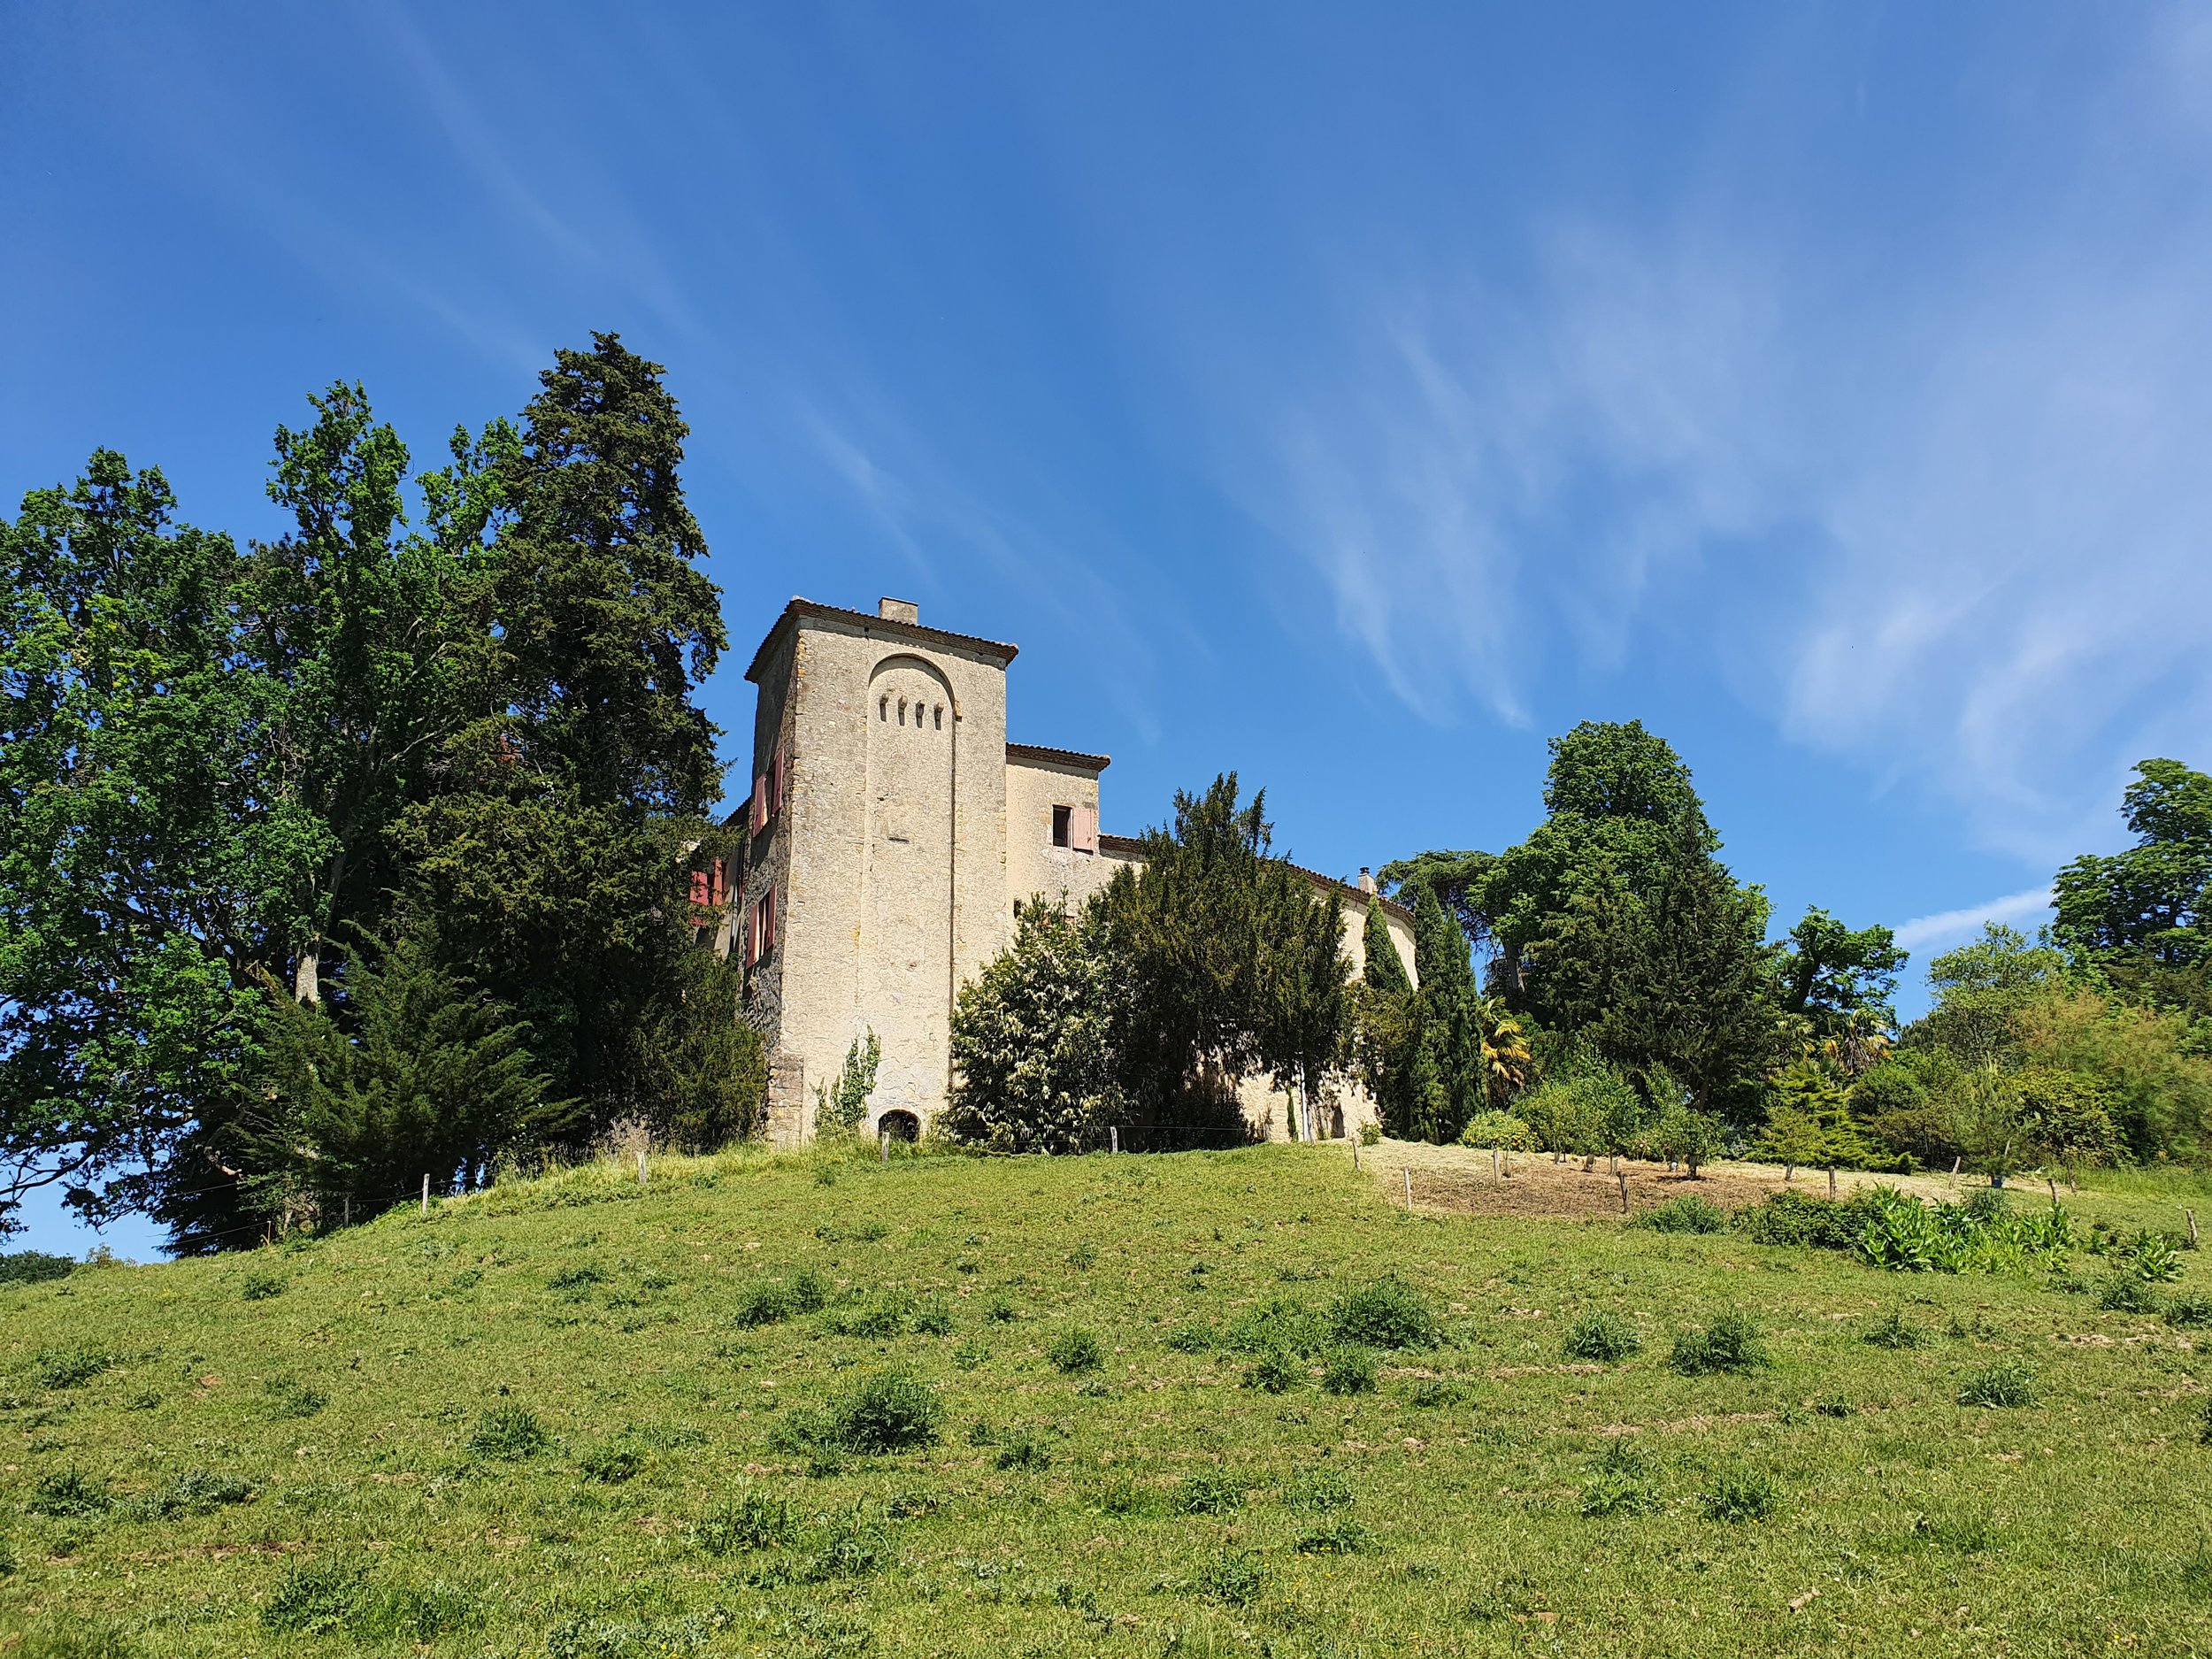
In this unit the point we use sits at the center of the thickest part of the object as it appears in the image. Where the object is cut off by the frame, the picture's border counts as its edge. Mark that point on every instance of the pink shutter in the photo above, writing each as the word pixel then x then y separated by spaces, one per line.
pixel 702 889
pixel 760 803
pixel 1083 829
pixel 752 935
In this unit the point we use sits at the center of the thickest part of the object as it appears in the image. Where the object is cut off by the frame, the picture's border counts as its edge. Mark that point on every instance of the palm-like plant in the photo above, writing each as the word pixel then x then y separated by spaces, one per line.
pixel 1509 1065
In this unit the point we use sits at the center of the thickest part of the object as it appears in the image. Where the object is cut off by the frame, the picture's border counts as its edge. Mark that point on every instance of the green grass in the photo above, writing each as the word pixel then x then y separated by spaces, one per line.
pixel 808 1405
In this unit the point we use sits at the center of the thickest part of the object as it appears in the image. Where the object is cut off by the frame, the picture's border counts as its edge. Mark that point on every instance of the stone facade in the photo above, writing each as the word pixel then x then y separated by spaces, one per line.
pixel 894 832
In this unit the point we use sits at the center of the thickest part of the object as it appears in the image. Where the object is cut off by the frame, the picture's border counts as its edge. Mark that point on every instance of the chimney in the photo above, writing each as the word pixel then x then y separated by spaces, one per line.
pixel 899 610
pixel 1366 881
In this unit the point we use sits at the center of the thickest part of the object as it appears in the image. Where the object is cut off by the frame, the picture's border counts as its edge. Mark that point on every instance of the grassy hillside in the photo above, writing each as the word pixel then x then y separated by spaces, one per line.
pixel 572 1418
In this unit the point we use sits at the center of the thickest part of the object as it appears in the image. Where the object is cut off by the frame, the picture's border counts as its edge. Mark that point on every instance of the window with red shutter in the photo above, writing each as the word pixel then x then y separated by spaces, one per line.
pixel 701 887
pixel 760 803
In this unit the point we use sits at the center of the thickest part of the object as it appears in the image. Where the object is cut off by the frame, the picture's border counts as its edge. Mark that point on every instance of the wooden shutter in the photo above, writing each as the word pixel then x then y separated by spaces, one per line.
pixel 701 887
pixel 760 803
pixel 1083 829
pixel 752 934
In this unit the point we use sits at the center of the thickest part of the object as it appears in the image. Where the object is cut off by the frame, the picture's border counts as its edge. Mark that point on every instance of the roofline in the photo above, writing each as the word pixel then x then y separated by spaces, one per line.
pixel 1075 758
pixel 1133 846
pixel 869 623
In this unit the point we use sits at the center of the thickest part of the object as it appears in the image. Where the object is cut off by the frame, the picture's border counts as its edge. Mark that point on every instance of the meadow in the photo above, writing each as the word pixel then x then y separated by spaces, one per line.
pixel 1234 1402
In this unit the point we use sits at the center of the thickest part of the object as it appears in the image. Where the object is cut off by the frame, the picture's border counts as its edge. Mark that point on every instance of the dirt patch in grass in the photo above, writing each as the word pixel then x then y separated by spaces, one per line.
pixel 1458 1180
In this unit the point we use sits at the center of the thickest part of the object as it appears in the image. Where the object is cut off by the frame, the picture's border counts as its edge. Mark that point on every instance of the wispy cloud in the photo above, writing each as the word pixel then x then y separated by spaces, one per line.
pixel 1950 926
pixel 1937 508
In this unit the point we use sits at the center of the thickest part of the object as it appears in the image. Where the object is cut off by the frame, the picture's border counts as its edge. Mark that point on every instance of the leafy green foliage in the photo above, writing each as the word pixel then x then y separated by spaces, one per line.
pixel 33 1267
pixel 889 1411
pixel 1385 1313
pixel 1686 1212
pixel 1034 1035
pixel 1801 1219
pixel 1351 1370
pixel 1076 1351
pixel 753 1519
pixel 1618 1482
pixel 841 1107
pixel 1894 1331
pixel 1907 1236
pixel 69 1494
pixel 1606 1338
pixel 70 1367
pixel 1730 1342
pixel 1739 1495
pixel 2008 1386
pixel 2155 899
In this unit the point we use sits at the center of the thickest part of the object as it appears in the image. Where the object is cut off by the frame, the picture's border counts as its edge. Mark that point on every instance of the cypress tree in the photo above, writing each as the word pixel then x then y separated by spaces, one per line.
pixel 1385 970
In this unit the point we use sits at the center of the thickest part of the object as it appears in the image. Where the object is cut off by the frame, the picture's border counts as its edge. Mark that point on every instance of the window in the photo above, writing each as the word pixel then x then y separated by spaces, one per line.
pixel 1061 817
pixel 778 779
pixel 883 708
pixel 940 717
pixel 760 928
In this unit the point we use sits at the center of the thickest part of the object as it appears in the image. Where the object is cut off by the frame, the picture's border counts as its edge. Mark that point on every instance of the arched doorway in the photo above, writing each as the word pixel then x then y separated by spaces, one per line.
pixel 900 1125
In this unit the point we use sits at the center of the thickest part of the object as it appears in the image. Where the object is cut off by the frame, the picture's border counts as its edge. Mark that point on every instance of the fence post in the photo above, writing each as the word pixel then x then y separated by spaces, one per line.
pixel 426 1198
pixel 2191 1215
pixel 1832 1180
pixel 1623 1179
pixel 1356 1148
pixel 1494 1164
pixel 1953 1181
pixel 1409 1175
pixel 349 1220
pixel 883 1151
pixel 1113 1132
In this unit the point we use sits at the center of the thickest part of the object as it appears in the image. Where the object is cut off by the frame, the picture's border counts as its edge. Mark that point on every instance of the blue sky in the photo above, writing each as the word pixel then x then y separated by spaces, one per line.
pixel 1351 396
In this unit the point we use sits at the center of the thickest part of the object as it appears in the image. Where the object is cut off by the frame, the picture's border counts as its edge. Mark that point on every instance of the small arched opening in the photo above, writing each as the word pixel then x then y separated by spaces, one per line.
pixel 900 1125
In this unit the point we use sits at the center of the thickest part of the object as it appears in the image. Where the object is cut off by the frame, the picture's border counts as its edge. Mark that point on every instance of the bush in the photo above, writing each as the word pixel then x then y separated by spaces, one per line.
pixel 1498 1129
pixel 1686 1213
pixel 33 1267
pixel 2189 1312
pixel 1320 1489
pixel 315 1598
pixel 1274 1372
pixel 1730 1343
pixel 1371 1135
pixel 809 1293
pixel 2127 1293
pixel 750 1520
pixel 888 1412
pixel 2006 1386
pixel 70 1495
pixel 1605 1337
pixel 509 1434
pixel 1033 1040
pixel 69 1367
pixel 1893 1330
pixel 1076 1351
pixel 1352 1370
pixel 1233 1578
pixel 1209 1494
pixel 1024 1452
pixel 1799 1218
pixel 1386 1314
pixel 1340 1537
pixel 1740 1495
pixel 2156 1260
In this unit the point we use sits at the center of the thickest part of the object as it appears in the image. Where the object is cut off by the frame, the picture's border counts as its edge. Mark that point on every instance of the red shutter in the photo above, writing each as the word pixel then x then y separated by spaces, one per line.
pixel 701 887
pixel 1083 829
pixel 760 803
pixel 752 934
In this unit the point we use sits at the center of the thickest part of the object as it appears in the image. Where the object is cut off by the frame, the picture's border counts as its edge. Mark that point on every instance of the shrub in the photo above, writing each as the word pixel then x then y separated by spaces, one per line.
pixel 1274 1372
pixel 1606 1337
pixel 1685 1213
pixel 315 1598
pixel 1745 1494
pixel 1386 1314
pixel 888 1412
pixel 1343 1536
pixel 1799 1218
pixel 2189 1312
pixel 1618 1483
pixel 1893 1330
pixel 857 1545
pixel 509 1434
pixel 2010 1386
pixel 261 1285
pixel 1074 1351
pixel 1371 1135
pixel 750 1520
pixel 2127 1293
pixel 1209 1494
pixel 1233 1578
pixel 1024 1452
pixel 1730 1343
pixel 1351 1370
pixel 69 1367
pixel 1277 1324
pixel 33 1267
pixel 2154 1259
pixel 1319 1489
pixel 611 1466
pixel 69 1495
pixel 934 1319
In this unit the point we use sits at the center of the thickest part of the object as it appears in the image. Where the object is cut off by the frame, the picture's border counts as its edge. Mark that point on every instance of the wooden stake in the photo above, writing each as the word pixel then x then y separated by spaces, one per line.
pixel 2191 1215
pixel 1355 1151
pixel 1494 1164
pixel 1953 1181
pixel 1623 1179
pixel 348 1221
pixel 883 1152
pixel 640 1166
pixel 1409 1175
pixel 1113 1132
pixel 1832 1180
pixel 426 1198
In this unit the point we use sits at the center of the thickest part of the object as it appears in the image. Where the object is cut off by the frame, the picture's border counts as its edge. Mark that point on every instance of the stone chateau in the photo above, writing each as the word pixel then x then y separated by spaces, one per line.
pixel 895 834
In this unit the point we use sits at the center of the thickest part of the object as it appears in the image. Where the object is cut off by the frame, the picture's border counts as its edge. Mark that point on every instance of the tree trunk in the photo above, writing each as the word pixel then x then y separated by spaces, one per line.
pixel 307 977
